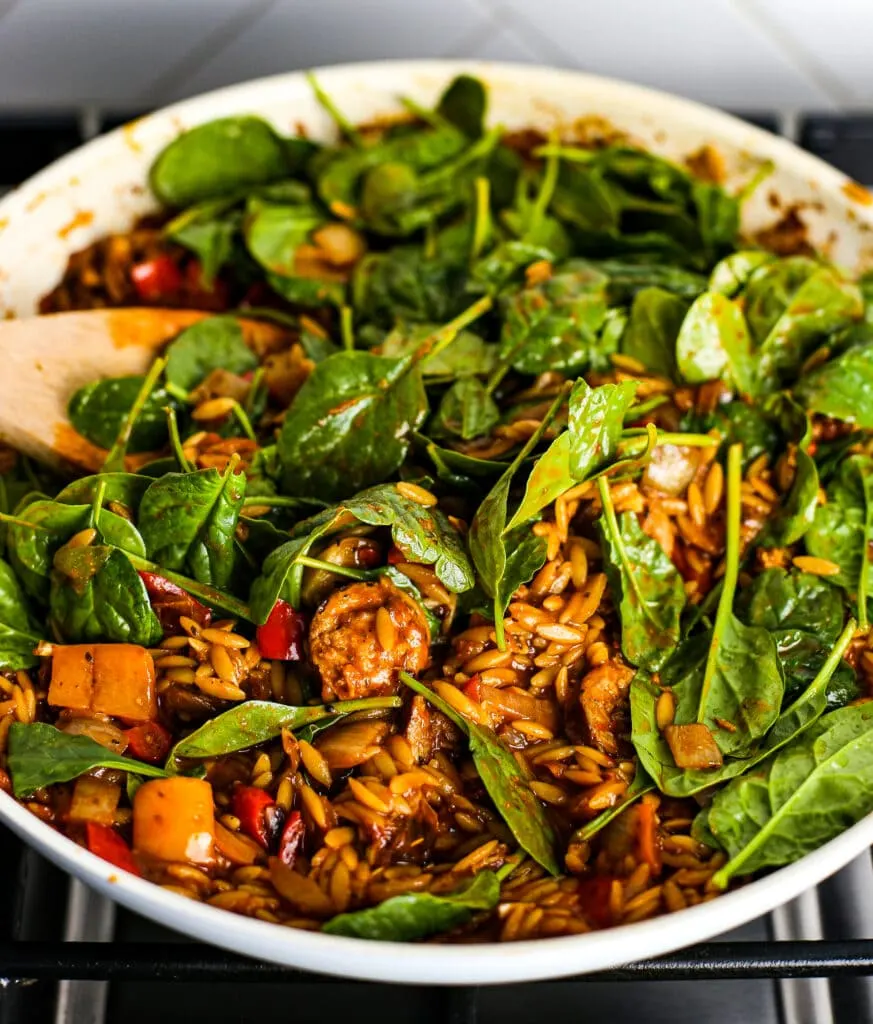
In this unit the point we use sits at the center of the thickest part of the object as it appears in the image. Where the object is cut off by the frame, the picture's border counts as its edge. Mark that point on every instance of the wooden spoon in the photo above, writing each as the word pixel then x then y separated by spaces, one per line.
pixel 45 359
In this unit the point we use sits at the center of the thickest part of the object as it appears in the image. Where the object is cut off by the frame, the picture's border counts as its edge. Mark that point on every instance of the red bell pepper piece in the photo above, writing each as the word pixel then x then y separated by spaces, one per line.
pixel 473 687
pixel 108 844
pixel 149 742
pixel 169 602
pixel 213 295
pixel 252 806
pixel 157 279
pixel 594 893
pixel 281 636
pixel 292 839
pixel 395 555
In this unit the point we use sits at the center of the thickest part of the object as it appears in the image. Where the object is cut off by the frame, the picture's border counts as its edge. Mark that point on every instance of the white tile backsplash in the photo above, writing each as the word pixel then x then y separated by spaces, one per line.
pixel 105 51
pixel 307 33
pixel 745 54
pixel 704 49
pixel 832 39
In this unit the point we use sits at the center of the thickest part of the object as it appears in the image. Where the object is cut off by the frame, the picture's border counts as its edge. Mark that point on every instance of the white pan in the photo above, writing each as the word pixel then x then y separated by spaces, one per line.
pixel 102 187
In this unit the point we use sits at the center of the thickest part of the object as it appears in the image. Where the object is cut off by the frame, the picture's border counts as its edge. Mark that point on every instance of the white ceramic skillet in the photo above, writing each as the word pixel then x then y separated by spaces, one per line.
pixel 101 187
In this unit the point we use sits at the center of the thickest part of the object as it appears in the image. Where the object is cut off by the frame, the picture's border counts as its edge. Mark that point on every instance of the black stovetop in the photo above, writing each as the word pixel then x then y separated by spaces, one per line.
pixel 59 943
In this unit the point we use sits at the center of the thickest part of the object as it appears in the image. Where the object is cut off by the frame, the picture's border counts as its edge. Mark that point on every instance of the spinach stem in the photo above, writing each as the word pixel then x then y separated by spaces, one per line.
pixel 254 388
pixel 347 332
pixel 482 218
pixel 577 156
pixel 15 521
pixel 342 122
pixel 242 418
pixel 180 394
pixel 276 316
pixel 434 343
pixel 432 117
pixel 732 570
pixel 635 411
pixel 823 676
pixel 667 437
pixel 547 188
pixel 202 591
pixel 115 458
pixel 97 501
pixel 176 441
pixel 341 570
pixel 279 501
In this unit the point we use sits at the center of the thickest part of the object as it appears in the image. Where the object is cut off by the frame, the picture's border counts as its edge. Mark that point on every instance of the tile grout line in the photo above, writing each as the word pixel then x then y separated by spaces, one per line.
pixel 160 91
pixel 541 44
pixel 803 60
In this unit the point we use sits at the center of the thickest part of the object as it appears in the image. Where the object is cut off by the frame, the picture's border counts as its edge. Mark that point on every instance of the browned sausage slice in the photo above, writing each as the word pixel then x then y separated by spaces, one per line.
pixel 361 638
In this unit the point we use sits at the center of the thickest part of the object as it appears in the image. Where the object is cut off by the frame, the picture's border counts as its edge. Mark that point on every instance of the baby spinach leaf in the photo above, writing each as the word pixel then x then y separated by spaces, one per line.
pixel 41 755
pixel 778 599
pixel 188 522
pixel 209 230
pixel 407 285
pixel 813 789
pixel 842 527
pixel 504 781
pixel 218 158
pixel 596 421
pixel 742 681
pixel 823 304
pixel 714 343
pixel 19 633
pixel 802 655
pixel 555 325
pixel 282 575
pixel 463 104
pixel 740 423
pixel 626 280
pixel 204 593
pixel 503 266
pixel 656 316
pixel 423 533
pixel 125 488
pixel 466 356
pixel 399 198
pixel 98 411
pixel 589 445
pixel 467 410
pixel 96 594
pixel 214 343
pixel 350 424
pixel 491 537
pixel 274 232
pixel 342 173
pixel 416 915
pixel 44 526
pixel 257 721
pixel 731 275
pixel 842 387
pixel 652 748
pixel 650 590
